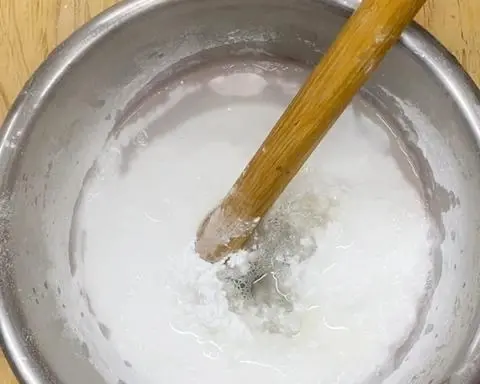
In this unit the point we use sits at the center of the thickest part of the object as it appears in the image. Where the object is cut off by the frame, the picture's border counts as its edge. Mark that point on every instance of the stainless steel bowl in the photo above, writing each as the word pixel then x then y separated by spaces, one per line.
pixel 63 116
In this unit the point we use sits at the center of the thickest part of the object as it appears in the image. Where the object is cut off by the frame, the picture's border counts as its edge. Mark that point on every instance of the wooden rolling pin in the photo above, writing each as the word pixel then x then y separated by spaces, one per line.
pixel 361 45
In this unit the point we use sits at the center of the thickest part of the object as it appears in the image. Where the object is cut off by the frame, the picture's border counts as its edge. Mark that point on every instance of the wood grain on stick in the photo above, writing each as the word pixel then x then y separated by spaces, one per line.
pixel 361 45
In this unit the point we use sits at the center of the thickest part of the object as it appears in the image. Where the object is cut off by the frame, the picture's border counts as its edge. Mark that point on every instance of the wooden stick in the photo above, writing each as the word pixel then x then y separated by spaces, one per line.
pixel 361 45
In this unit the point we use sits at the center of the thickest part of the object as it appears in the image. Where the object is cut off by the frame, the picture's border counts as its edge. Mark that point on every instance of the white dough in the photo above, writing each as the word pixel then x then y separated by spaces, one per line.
pixel 355 300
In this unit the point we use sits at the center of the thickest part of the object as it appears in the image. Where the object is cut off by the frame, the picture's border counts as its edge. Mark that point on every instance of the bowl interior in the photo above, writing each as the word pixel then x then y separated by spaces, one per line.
pixel 48 159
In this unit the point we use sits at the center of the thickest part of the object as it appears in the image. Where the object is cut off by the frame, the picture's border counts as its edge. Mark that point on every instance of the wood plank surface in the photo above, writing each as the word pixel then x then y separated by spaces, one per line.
pixel 30 29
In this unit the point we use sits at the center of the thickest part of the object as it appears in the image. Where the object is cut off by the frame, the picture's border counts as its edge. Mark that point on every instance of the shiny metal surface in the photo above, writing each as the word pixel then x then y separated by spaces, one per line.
pixel 60 121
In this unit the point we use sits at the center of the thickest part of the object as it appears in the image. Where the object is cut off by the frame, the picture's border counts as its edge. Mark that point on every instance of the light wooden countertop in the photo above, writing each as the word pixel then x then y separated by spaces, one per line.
pixel 30 29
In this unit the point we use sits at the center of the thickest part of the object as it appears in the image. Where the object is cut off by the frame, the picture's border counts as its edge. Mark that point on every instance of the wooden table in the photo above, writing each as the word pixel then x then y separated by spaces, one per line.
pixel 30 29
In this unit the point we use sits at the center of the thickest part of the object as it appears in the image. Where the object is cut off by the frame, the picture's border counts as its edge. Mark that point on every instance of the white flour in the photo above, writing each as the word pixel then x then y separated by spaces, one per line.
pixel 351 305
